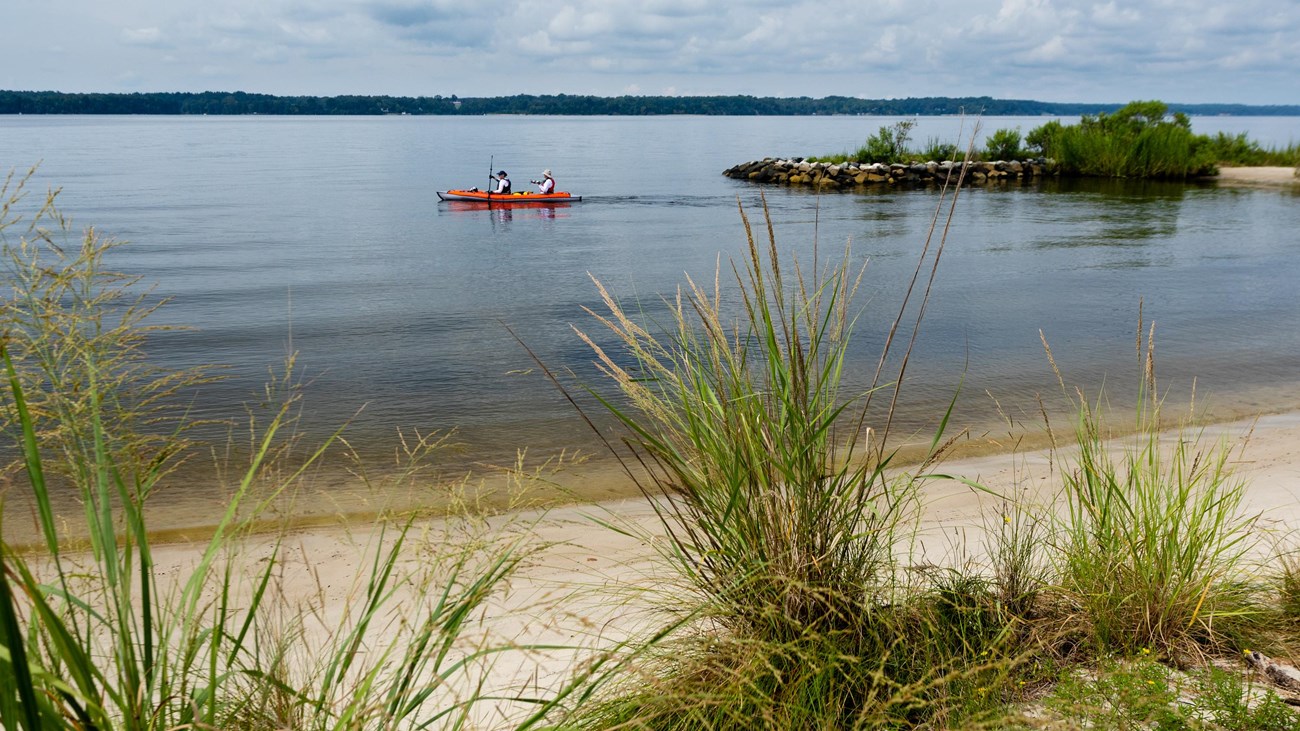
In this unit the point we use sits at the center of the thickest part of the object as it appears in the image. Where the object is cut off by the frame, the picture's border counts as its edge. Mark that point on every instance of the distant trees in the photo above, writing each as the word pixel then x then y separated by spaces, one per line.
pixel 213 102
pixel 218 102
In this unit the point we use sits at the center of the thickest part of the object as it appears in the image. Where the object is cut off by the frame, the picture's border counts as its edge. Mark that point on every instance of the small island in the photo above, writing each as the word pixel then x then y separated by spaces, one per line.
pixel 1140 140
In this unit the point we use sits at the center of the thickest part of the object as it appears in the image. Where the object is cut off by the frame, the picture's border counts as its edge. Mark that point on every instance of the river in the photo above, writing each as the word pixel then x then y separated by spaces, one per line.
pixel 324 236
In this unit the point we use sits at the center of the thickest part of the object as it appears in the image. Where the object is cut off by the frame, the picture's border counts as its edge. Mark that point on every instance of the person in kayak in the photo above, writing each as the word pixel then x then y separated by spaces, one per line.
pixel 503 184
pixel 546 184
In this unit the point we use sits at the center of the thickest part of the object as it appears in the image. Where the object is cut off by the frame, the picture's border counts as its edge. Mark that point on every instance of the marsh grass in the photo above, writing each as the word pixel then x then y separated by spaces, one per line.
pixel 1239 149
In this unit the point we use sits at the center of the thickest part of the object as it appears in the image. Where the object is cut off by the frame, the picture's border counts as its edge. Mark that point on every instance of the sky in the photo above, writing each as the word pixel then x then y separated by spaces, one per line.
pixel 1182 51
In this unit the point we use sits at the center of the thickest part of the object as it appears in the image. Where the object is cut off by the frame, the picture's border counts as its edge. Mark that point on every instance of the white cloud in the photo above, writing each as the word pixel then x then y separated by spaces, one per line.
pixel 1102 50
pixel 1050 51
pixel 142 36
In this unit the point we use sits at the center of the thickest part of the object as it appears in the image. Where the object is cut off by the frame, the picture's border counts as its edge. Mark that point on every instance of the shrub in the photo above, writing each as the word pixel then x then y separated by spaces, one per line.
pixel 939 151
pixel 1043 138
pixel 888 145
pixel 1004 144
pixel 1139 140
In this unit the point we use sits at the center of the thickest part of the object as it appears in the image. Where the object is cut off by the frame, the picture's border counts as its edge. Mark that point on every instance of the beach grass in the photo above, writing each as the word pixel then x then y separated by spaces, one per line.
pixel 802 598
pixel 786 518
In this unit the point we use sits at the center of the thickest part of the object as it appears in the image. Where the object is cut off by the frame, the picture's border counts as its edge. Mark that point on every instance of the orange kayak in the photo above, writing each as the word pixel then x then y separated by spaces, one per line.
pixel 482 196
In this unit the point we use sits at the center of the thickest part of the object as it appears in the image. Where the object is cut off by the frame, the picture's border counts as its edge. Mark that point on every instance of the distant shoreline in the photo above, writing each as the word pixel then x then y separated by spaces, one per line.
pixel 17 102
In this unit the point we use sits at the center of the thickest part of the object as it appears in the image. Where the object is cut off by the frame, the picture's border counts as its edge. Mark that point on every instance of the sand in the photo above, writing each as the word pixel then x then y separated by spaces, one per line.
pixel 1258 176
pixel 586 586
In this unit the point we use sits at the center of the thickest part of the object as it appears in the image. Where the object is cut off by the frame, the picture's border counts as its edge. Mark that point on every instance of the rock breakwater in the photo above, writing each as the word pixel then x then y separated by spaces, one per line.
pixel 798 171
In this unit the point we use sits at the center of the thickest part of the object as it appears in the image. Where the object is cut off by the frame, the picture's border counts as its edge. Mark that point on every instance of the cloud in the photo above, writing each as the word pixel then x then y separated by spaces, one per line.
pixel 1109 50
pixel 1053 50
pixel 143 37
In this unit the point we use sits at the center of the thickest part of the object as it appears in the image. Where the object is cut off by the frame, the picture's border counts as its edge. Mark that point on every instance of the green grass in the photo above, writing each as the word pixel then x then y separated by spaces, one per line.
pixel 792 537
pixel 1153 543
pixel 1239 149
pixel 1138 693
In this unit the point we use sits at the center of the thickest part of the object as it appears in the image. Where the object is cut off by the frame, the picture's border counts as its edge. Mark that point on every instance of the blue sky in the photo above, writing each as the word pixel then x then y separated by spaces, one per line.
pixel 1241 51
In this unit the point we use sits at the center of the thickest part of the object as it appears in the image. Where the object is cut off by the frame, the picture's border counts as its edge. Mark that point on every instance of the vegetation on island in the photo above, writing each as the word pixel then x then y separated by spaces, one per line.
pixel 219 102
pixel 1128 599
pixel 1142 139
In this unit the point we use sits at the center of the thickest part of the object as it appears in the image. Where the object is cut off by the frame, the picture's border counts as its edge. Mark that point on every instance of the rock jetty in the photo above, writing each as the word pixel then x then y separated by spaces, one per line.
pixel 798 171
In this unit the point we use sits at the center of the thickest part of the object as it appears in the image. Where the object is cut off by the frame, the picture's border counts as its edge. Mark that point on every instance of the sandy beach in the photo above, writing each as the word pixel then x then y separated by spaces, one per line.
pixel 1258 176
pixel 585 585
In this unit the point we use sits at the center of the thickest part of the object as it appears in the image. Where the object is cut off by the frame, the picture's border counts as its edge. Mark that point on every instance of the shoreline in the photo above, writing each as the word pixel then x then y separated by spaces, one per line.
pixel 333 497
pixel 1265 176
pixel 592 574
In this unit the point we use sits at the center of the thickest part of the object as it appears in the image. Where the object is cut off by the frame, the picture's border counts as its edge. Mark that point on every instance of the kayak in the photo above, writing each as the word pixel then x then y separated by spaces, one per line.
pixel 482 196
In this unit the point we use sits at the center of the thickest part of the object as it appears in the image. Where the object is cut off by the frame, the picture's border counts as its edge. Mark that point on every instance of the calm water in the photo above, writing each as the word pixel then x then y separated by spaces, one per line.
pixel 324 236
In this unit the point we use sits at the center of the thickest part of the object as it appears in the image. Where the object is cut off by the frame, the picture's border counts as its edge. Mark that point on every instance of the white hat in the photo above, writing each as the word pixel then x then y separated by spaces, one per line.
pixel 546 173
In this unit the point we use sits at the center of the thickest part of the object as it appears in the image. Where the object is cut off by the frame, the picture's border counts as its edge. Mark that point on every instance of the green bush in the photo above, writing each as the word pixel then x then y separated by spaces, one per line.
pixel 888 145
pixel 1239 149
pixel 1043 138
pixel 938 151
pixel 1140 140
pixel 1004 144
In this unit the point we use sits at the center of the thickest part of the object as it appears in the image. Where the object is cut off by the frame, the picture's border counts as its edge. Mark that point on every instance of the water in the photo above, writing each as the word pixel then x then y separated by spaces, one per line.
pixel 324 236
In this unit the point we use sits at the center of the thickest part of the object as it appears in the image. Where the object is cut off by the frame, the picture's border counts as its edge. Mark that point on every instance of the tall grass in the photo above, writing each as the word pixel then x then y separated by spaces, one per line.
pixel 1140 140
pixel 784 513
pixel 1239 149
pixel 1143 140
pixel 772 508
pixel 1154 541
pixel 92 636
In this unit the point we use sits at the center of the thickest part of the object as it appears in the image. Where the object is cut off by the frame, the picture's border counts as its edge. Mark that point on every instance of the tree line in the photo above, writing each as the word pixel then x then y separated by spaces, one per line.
pixel 217 102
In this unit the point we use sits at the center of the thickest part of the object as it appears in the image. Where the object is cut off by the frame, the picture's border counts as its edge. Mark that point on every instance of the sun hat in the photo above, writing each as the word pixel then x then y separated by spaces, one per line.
pixel 546 172
pixel 501 172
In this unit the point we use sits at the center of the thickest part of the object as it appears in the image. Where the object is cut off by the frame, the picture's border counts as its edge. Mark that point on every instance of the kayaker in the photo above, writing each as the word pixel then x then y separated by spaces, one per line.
pixel 503 184
pixel 546 184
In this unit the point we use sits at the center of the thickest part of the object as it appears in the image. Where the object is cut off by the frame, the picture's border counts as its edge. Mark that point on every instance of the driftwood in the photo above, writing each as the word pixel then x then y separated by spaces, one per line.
pixel 1284 677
